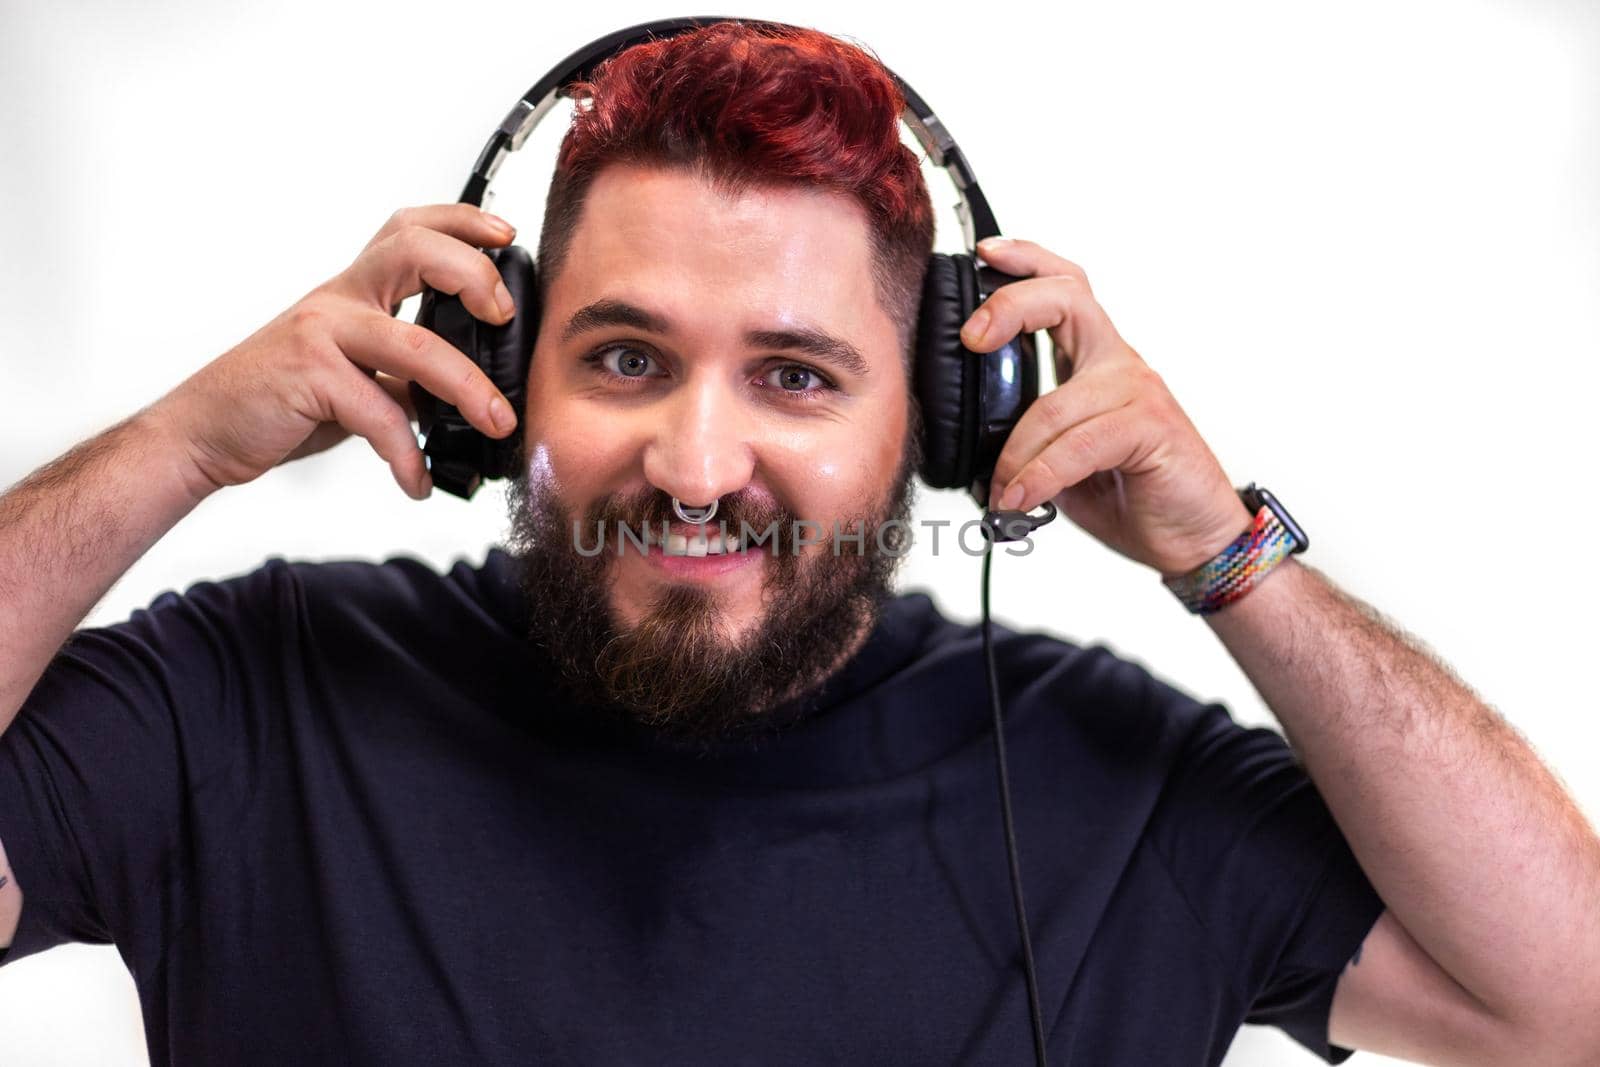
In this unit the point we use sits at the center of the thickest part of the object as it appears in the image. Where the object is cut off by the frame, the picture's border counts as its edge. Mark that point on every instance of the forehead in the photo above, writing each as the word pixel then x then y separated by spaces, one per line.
pixel 667 237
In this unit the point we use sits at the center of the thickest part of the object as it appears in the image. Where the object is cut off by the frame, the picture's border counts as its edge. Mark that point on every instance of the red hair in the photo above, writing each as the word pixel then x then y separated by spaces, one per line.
pixel 747 104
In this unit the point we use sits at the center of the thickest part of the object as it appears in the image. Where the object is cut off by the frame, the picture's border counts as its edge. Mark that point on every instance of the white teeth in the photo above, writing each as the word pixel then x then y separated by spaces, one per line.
pixel 698 546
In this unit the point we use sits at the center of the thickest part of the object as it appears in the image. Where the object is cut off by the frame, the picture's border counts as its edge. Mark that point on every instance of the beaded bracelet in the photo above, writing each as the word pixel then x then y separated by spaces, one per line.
pixel 1237 569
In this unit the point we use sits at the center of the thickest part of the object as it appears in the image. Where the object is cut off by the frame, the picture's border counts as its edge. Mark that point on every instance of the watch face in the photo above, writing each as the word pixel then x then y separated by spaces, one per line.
pixel 1263 496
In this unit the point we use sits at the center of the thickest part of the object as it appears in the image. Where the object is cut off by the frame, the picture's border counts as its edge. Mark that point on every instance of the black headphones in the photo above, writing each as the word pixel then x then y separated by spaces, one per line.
pixel 968 401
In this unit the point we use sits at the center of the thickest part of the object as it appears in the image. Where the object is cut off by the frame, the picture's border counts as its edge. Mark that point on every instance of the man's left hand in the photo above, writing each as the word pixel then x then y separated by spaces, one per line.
pixel 1109 445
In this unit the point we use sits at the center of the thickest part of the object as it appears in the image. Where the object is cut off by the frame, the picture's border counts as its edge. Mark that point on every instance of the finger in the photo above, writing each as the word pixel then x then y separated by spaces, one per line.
pixel 1107 441
pixel 362 406
pixel 1053 413
pixel 465 222
pixel 1027 259
pixel 399 391
pixel 1078 325
pixel 414 257
pixel 404 350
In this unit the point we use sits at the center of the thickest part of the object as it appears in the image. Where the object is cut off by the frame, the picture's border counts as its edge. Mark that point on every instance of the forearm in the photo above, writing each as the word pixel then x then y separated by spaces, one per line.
pixel 72 528
pixel 1470 841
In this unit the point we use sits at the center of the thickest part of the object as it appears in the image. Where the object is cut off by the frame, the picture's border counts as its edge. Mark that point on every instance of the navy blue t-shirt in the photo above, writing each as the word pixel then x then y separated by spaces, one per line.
pixel 331 813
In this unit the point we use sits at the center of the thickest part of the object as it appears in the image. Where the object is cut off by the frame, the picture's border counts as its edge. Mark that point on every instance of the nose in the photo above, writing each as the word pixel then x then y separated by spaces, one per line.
pixel 701 449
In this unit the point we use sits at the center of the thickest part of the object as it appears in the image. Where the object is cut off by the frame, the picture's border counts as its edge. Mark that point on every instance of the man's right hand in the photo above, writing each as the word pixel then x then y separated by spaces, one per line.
pixel 338 362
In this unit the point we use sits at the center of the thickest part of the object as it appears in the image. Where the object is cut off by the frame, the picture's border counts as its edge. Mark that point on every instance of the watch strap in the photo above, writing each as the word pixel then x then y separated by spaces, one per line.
pixel 1238 568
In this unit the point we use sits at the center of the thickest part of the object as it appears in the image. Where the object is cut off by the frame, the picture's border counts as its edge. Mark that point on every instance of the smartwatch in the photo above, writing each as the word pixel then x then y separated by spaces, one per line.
pixel 1273 537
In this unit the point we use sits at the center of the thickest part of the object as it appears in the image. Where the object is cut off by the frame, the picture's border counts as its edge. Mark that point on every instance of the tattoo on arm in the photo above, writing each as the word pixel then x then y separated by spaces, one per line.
pixel 3 881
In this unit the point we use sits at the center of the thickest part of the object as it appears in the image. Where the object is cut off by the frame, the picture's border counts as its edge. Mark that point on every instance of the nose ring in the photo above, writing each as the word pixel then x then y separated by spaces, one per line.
pixel 694 515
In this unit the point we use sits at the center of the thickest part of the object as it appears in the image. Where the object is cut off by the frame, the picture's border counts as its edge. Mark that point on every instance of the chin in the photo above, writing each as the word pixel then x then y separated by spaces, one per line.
pixel 737 618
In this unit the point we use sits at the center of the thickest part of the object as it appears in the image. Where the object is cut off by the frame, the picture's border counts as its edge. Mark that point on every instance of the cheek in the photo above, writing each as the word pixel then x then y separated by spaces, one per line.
pixel 846 468
pixel 569 453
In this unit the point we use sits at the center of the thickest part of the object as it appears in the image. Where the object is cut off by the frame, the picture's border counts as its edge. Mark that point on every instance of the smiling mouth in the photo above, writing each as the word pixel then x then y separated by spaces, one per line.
pixel 701 542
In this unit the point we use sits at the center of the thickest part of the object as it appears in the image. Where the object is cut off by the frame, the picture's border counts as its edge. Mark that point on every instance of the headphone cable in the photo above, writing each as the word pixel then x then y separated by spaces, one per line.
pixel 1011 834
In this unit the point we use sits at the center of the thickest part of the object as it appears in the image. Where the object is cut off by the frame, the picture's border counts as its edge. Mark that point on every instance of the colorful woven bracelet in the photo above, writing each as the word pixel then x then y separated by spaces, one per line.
pixel 1237 569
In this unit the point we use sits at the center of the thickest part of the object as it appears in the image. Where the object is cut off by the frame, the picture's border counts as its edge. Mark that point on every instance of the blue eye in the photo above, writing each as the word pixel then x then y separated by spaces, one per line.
pixel 795 377
pixel 801 384
pixel 632 363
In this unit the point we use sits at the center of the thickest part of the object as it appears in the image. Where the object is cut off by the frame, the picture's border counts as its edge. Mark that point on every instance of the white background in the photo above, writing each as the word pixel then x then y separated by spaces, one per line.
pixel 1359 241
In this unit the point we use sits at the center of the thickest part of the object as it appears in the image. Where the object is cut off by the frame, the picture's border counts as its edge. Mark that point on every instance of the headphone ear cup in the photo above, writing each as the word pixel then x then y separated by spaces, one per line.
pixel 944 378
pixel 459 456
pixel 508 350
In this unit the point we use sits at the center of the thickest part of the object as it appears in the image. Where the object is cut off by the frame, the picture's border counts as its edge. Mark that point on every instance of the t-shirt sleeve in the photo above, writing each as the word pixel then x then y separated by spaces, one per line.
pixel 1253 847
pixel 130 728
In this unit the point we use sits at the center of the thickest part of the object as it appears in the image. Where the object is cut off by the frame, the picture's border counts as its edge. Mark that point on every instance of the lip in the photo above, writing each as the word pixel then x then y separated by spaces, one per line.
pixel 702 567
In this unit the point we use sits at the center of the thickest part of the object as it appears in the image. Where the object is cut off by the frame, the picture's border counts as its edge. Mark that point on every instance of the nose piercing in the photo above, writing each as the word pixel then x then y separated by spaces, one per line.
pixel 694 515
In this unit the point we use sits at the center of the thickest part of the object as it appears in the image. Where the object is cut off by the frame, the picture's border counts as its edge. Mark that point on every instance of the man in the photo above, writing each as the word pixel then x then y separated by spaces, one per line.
pixel 663 808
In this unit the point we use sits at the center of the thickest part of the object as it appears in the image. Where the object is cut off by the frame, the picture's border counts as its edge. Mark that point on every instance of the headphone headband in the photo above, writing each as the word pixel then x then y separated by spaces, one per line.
pixel 972 208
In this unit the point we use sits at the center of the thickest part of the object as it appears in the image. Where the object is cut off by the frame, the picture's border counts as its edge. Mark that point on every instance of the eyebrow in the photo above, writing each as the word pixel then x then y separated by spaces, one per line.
pixel 805 340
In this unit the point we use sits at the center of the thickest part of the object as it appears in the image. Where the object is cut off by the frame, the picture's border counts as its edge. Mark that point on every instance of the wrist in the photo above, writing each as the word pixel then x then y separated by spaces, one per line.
pixel 173 452
pixel 1241 565
pixel 1229 530
pixel 1274 592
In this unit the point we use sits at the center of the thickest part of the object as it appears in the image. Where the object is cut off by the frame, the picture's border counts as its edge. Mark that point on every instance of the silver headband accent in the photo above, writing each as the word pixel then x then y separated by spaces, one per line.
pixel 694 515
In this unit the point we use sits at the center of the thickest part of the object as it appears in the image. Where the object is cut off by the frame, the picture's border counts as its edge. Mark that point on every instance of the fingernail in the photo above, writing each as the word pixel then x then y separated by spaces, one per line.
pixel 508 307
pixel 500 415
pixel 499 223
pixel 1012 496
pixel 977 326
pixel 994 242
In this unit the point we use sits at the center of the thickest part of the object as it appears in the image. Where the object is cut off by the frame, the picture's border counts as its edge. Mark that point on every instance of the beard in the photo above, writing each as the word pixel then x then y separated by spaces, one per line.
pixel 676 672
